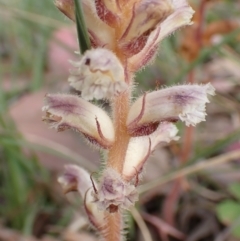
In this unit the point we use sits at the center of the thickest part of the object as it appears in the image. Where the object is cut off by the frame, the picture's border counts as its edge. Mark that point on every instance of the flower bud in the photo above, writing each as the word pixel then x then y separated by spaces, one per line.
pixel 71 112
pixel 181 16
pixel 77 179
pixel 146 15
pixel 99 74
pixel 140 148
pixel 186 103
pixel 114 193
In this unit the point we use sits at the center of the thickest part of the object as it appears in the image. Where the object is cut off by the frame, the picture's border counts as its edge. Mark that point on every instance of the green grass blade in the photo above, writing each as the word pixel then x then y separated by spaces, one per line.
pixel 83 38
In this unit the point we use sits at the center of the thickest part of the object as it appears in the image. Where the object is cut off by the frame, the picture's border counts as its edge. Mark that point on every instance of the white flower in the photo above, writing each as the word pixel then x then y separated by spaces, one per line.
pixel 186 103
pixel 99 75
pixel 71 112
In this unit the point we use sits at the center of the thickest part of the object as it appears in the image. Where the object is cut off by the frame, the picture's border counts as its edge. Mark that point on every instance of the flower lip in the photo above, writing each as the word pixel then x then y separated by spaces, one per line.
pixel 99 75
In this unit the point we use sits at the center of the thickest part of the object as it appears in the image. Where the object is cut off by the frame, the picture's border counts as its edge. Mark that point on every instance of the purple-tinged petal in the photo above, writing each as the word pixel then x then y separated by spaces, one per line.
pixel 114 193
pixel 186 103
pixel 71 112
pixel 77 179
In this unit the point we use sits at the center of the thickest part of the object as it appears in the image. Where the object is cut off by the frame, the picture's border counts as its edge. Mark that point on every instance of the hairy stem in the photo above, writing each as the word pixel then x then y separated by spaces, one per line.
pixel 113 231
pixel 118 150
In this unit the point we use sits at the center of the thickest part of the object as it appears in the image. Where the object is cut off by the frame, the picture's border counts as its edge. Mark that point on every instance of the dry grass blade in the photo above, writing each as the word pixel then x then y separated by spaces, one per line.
pixel 211 162
pixel 33 17
pixel 141 224
pixel 164 229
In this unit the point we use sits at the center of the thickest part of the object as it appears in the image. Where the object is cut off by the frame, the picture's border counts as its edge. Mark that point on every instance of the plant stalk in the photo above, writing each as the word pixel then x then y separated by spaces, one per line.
pixel 117 152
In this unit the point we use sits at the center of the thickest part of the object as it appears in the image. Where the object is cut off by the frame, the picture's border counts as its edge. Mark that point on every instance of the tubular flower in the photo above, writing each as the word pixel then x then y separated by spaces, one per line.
pixel 71 112
pixel 99 75
pixel 187 103
pixel 77 179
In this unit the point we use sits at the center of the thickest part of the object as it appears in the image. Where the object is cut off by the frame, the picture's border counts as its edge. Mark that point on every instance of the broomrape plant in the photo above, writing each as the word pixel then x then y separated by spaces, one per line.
pixel 124 36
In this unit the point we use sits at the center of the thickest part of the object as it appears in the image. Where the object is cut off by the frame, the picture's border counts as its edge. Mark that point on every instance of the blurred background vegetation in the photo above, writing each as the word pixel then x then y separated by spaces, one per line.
pixel 186 201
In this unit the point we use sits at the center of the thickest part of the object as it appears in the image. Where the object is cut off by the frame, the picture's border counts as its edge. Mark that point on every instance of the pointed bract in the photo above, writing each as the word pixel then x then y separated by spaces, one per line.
pixel 71 112
pixel 99 32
